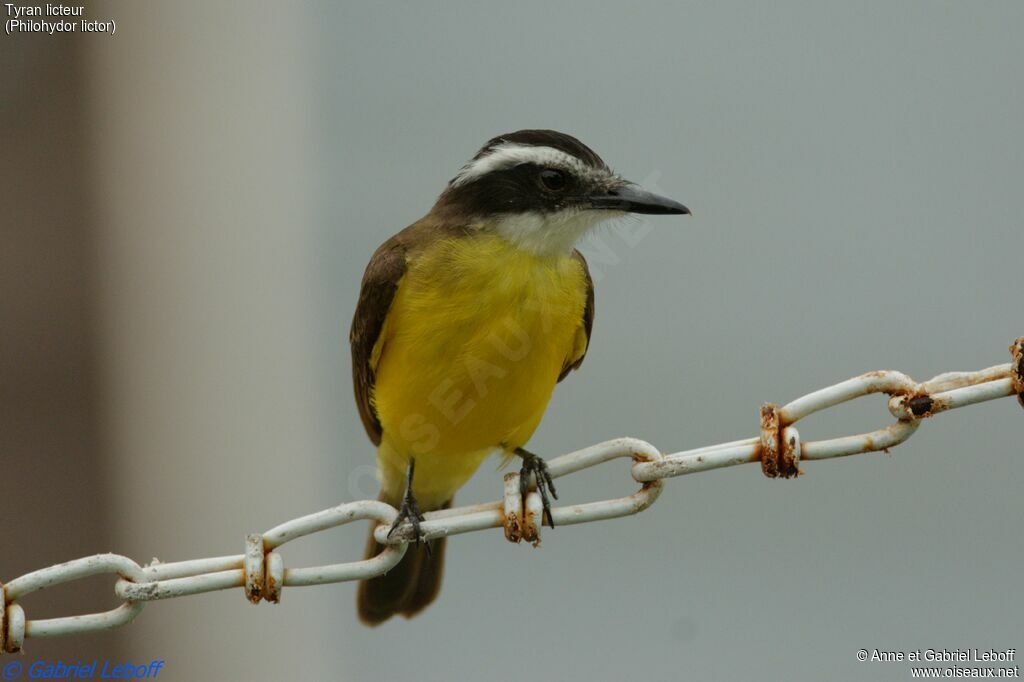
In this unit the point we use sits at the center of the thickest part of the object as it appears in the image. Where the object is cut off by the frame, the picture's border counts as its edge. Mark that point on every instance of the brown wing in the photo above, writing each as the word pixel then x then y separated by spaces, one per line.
pixel 380 282
pixel 588 317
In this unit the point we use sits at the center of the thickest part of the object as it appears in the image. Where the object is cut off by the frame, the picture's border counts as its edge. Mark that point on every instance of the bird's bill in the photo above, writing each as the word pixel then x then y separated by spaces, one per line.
pixel 634 199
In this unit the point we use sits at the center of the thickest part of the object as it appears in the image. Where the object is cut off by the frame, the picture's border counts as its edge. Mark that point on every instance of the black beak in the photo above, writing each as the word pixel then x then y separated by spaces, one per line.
pixel 632 199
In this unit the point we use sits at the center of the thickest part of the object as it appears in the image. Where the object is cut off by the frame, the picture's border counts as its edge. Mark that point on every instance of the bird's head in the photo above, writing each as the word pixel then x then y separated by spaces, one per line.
pixel 542 190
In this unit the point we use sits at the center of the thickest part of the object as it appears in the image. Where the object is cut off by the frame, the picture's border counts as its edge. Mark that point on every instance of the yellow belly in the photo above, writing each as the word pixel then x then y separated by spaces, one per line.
pixel 468 357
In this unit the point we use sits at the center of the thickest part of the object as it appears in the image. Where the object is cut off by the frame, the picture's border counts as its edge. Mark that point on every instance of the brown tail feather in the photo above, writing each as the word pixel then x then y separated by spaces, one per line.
pixel 407 588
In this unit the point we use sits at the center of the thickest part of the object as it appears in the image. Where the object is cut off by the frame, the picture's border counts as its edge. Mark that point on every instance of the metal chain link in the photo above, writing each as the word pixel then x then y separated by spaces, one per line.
pixel 261 572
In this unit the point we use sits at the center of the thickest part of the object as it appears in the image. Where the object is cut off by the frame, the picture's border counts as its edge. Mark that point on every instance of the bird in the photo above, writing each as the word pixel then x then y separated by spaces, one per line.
pixel 465 321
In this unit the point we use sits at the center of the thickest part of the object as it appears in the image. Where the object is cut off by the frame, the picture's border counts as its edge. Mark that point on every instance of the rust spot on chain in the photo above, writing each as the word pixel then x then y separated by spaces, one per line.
pixel 790 457
pixel 513 528
pixel 778 459
pixel 770 440
pixel 273 591
pixel 530 533
pixel 1017 370
pixel 921 406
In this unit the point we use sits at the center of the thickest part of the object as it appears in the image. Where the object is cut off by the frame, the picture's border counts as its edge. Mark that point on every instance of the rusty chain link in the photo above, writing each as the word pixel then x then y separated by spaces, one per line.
pixel 260 570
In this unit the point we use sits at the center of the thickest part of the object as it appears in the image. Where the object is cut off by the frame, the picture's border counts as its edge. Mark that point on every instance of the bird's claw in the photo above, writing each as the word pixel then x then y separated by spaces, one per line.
pixel 410 511
pixel 532 464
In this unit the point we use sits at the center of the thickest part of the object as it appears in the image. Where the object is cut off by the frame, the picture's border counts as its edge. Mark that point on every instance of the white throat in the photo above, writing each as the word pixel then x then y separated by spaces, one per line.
pixel 549 234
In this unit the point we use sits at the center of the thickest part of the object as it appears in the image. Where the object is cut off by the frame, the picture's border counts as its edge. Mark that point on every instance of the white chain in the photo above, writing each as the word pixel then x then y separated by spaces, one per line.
pixel 261 572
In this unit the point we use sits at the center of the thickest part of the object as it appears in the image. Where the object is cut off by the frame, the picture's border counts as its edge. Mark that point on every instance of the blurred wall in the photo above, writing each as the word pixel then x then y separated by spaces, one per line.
pixel 56 498
pixel 202 116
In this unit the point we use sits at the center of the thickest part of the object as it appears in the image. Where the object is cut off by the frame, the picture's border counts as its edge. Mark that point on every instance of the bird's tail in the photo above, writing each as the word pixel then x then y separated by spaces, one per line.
pixel 408 587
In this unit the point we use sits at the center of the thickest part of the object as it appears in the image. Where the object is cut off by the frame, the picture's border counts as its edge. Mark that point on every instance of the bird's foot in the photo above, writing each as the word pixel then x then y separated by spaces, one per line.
pixel 532 464
pixel 409 511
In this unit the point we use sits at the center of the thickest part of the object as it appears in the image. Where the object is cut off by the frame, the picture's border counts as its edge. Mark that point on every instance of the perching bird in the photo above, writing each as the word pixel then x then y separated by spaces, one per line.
pixel 466 321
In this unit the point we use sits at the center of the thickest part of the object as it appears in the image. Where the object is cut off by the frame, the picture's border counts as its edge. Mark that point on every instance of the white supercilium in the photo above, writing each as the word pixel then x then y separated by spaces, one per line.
pixel 508 155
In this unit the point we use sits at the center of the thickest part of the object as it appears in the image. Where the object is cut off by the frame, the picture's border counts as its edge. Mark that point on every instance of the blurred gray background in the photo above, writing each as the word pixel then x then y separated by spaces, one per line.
pixel 189 205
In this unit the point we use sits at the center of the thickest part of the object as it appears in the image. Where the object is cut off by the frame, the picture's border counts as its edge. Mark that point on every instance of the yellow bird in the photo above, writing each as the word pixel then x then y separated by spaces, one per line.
pixel 466 321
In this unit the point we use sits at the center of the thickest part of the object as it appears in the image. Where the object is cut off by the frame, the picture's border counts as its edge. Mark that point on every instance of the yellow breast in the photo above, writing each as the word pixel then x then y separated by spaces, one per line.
pixel 471 350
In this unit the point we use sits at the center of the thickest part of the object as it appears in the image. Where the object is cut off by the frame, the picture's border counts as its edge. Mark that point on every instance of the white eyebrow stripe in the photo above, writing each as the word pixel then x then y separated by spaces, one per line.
pixel 509 154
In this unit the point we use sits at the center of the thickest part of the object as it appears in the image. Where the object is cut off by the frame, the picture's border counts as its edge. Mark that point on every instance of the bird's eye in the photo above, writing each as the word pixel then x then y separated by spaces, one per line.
pixel 553 179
